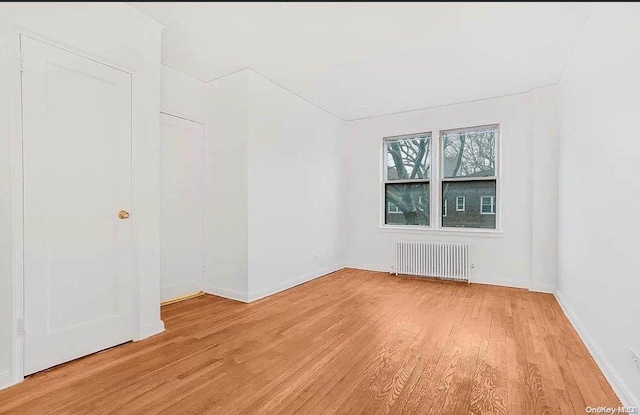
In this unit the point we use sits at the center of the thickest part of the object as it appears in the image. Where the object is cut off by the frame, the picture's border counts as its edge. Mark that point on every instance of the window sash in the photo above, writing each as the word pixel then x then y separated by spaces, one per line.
pixel 428 160
pixel 458 131
pixel 420 195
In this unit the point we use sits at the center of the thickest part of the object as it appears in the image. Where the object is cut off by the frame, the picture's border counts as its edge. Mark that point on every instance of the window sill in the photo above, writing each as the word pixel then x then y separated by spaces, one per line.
pixel 480 233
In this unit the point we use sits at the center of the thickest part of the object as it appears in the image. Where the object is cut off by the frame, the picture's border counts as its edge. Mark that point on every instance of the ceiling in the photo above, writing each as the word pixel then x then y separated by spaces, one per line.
pixel 357 60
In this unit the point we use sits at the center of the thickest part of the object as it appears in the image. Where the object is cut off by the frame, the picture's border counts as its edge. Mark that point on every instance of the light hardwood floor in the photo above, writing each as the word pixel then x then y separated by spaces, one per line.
pixel 351 342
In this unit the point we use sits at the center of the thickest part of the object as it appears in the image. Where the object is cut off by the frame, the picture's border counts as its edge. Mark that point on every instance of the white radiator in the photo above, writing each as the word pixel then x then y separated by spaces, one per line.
pixel 433 259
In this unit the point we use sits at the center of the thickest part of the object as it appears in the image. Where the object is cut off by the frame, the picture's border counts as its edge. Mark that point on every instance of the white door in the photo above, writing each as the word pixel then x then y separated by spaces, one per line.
pixel 181 207
pixel 77 176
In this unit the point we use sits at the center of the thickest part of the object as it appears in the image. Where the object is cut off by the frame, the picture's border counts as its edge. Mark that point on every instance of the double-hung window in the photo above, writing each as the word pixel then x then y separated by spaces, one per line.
pixel 469 174
pixel 467 178
pixel 488 205
pixel 407 179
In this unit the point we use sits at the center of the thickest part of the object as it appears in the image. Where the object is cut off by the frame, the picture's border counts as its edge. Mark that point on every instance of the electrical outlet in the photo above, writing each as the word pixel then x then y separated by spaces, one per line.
pixel 635 358
pixel 316 258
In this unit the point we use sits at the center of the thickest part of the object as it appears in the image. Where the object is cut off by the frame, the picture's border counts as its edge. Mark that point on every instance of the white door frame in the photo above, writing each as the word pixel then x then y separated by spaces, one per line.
pixel 204 184
pixel 17 195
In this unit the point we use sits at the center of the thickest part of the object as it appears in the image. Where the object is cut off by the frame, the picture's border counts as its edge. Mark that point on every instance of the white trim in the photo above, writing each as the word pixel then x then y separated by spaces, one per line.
pixel 472 129
pixel 150 330
pixel 472 279
pixel 259 294
pixel 180 289
pixel 23 31
pixel 17 197
pixel 428 230
pixel 618 384
pixel 5 380
pixel 500 282
pixel 543 288
pixel 464 203
pixel 169 114
pixel 283 286
pixel 230 294
pixel 361 266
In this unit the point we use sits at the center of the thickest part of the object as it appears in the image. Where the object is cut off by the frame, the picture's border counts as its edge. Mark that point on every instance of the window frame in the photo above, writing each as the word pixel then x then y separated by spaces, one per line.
pixel 436 181
pixel 492 205
pixel 464 203
pixel 386 181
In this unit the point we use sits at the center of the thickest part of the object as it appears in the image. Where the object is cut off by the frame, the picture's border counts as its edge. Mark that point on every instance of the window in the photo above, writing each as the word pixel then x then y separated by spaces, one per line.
pixel 467 174
pixel 487 205
pixel 407 179
pixel 468 169
pixel 393 208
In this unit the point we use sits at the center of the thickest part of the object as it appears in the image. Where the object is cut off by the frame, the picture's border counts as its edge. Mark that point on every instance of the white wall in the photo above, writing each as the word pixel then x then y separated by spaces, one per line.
pixel 544 182
pixel 135 45
pixel 599 264
pixel 505 258
pixel 182 95
pixel 226 184
pixel 274 188
pixel 295 194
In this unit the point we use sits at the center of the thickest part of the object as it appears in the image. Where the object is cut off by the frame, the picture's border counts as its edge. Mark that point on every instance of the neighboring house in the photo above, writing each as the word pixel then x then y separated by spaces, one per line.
pixel 395 216
pixel 469 204
pixel 465 204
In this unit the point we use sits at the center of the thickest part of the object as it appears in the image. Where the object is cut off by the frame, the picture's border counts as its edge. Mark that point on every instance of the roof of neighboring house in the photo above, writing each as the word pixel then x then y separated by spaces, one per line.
pixel 449 165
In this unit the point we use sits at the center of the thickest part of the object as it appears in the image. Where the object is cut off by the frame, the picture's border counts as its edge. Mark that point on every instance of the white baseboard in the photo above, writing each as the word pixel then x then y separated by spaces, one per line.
pixel 543 288
pixel 5 380
pixel 177 290
pixel 230 294
pixel 151 330
pixel 256 295
pixel 619 386
pixel 368 267
pixel 500 282
pixel 474 280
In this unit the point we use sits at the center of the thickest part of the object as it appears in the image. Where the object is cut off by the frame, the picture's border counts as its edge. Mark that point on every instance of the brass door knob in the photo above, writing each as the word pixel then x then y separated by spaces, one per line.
pixel 123 214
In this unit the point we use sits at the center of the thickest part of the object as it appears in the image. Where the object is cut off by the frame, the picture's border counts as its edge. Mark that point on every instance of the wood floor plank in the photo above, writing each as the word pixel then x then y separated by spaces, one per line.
pixel 351 342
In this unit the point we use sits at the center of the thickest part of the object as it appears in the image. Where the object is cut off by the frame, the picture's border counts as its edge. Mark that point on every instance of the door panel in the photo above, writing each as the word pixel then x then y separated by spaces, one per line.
pixel 77 176
pixel 182 206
